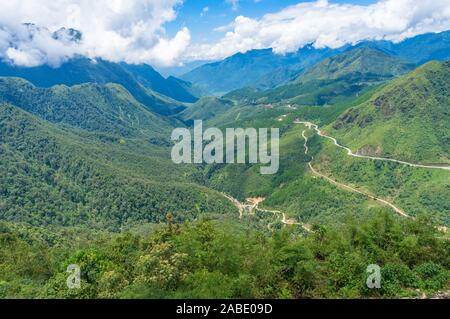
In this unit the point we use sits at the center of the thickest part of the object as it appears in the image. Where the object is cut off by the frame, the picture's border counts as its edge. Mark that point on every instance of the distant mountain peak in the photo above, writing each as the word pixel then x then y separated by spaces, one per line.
pixel 265 69
pixel 68 35
pixel 358 60
pixel 146 85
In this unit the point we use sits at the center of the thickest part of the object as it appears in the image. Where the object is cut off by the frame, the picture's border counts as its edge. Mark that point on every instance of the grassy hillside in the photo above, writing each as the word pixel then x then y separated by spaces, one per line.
pixel 417 191
pixel 206 108
pixel 58 176
pixel 293 190
pixel 408 119
pixel 251 114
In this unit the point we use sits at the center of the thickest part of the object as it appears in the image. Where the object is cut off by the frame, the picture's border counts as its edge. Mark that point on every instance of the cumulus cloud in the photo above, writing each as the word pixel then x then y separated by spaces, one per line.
pixel 36 32
pixel 116 30
pixel 328 25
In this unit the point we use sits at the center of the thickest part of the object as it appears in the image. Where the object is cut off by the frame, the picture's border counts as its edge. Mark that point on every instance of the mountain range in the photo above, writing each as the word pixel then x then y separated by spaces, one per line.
pixel 259 68
pixel 263 69
pixel 332 80
pixel 165 96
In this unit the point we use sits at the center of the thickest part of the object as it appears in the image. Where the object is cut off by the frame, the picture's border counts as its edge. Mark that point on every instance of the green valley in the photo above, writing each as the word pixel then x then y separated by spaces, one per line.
pixel 88 177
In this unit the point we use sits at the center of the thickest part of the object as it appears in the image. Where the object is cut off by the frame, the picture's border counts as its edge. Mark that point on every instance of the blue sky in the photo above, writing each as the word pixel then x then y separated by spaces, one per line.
pixel 220 12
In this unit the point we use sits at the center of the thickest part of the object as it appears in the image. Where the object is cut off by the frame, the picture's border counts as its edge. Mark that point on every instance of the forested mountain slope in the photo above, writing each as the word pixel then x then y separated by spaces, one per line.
pixel 336 79
pixel 151 79
pixel 83 70
pixel 409 119
pixel 206 108
pixel 106 108
pixel 59 176
pixel 258 68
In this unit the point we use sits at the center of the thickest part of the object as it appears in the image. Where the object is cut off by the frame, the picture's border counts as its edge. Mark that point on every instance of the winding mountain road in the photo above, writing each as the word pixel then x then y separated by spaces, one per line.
pixel 349 188
pixel 350 152
pixel 252 206
pixel 398 210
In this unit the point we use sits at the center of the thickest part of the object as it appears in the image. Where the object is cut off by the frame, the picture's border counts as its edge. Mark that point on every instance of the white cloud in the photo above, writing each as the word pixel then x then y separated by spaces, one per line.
pixel 117 30
pixel 133 30
pixel 328 25
pixel 30 57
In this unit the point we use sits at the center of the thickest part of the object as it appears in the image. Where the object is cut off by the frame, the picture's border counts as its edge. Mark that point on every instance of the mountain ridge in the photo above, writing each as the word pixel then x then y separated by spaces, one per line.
pixel 82 70
pixel 334 80
pixel 407 119
pixel 106 108
pixel 256 66
pixel 263 69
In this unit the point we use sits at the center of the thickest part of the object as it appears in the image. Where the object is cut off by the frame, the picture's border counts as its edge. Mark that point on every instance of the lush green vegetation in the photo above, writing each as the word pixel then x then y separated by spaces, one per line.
pixel 58 176
pixel 207 259
pixel 334 80
pixel 415 190
pixel 86 178
pixel 296 192
pixel 146 85
pixel 206 108
pixel 408 119
pixel 108 109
